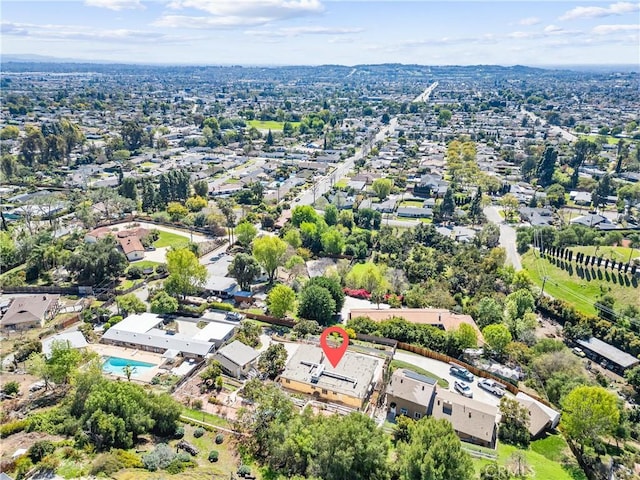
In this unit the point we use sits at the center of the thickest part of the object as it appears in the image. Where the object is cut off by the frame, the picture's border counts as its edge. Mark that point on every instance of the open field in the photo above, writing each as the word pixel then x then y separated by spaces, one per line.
pixel 619 254
pixel 269 125
pixel 168 239
pixel 581 292
pixel 144 264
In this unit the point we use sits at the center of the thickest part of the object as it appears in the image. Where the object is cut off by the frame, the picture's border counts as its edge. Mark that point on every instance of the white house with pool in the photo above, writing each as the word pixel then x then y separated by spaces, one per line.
pixel 146 332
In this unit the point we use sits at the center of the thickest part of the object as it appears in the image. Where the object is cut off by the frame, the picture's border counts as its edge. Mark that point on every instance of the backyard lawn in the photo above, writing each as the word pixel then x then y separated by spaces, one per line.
pixel 548 458
pixel 144 264
pixel 581 292
pixel 169 239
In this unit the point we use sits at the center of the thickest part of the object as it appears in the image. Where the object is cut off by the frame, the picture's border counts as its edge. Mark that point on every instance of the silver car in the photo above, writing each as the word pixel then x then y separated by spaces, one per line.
pixel 463 389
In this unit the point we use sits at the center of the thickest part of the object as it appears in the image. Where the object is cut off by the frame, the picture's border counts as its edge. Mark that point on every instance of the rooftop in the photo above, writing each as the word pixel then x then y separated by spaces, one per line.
pixel 609 352
pixel 353 375
pixel 411 386
pixel 27 309
pixel 467 416
pixel 238 353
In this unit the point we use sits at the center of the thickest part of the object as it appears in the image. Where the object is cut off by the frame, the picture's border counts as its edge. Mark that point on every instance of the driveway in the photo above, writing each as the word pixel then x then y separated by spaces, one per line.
pixel 507 236
pixel 441 369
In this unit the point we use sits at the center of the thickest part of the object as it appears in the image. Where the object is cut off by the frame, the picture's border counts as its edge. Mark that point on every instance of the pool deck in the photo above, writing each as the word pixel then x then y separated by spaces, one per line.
pixel 133 354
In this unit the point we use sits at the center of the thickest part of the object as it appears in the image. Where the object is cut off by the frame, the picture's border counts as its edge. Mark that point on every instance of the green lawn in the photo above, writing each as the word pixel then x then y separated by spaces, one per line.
pixel 205 417
pixel 579 292
pixel 169 239
pixel 144 264
pixel 412 203
pixel 619 254
pixel 395 364
pixel 269 124
pixel 342 183
pixel 548 458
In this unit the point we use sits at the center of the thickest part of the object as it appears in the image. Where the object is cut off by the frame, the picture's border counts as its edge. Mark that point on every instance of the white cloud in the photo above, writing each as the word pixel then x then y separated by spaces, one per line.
pixel 115 4
pixel 72 32
pixel 184 21
pixel 609 29
pixel 310 30
pixel 552 29
pixel 529 21
pixel 619 8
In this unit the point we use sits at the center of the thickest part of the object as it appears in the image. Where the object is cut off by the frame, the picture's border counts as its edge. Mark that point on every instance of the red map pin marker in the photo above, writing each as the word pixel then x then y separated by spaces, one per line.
pixel 334 354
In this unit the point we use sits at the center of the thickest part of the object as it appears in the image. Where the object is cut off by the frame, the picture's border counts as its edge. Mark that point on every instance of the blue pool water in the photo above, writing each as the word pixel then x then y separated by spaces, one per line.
pixel 116 365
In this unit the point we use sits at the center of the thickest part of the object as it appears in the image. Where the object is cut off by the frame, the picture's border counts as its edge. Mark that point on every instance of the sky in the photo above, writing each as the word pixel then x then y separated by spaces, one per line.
pixel 315 32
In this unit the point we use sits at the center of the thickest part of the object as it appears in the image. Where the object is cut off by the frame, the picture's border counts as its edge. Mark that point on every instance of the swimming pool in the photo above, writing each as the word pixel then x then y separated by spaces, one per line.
pixel 116 365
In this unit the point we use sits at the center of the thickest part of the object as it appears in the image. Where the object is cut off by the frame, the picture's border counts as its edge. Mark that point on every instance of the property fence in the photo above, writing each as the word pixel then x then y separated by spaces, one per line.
pixel 283 322
pixel 73 290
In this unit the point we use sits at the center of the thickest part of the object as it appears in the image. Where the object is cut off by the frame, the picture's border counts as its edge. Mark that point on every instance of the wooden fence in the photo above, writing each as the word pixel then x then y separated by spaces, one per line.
pixel 283 322
pixel 41 289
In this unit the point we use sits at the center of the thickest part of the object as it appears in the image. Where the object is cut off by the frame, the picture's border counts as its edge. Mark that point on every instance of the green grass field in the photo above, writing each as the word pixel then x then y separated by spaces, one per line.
pixel 269 125
pixel 395 364
pixel 144 264
pixel 168 239
pixel 412 203
pixel 548 458
pixel 619 254
pixel 205 417
pixel 579 292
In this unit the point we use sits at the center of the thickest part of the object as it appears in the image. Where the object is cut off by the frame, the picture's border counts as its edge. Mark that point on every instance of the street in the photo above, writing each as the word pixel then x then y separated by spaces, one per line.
pixel 507 236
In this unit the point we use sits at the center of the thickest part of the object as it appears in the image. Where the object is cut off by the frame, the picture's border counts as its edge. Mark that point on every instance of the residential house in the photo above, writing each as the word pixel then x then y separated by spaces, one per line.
pixel 30 311
pixel 237 359
pixel 541 416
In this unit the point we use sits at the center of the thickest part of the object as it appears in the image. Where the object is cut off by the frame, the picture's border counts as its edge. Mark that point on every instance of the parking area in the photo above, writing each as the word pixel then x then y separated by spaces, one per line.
pixel 441 369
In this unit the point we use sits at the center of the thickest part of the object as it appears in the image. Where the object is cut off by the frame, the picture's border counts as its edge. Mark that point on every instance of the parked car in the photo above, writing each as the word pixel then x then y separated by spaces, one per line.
pixel 234 316
pixel 461 372
pixel 492 386
pixel 215 258
pixel 578 351
pixel 463 389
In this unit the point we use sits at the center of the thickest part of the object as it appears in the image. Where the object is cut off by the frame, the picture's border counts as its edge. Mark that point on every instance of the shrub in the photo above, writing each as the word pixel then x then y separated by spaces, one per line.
pixel 13 427
pixel 41 449
pixel 219 438
pixel 50 463
pixel 128 459
pixel 115 319
pixel 183 457
pixel 213 456
pixel 134 272
pixel 227 307
pixel 11 388
pixel 197 404
pixel 72 454
pixel 198 432
pixel 161 269
pixel 176 466
pixel 244 470
pixel 160 458
pixel 179 433
pixel 107 464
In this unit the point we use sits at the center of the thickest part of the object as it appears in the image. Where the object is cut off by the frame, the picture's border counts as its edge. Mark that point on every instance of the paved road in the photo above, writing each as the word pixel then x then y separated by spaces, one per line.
pixel 441 369
pixel 554 129
pixel 507 236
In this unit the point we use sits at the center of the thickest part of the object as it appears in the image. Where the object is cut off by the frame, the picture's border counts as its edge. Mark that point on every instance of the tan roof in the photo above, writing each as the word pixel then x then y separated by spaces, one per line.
pixel 468 416
pixel 130 244
pixel 31 308
pixel 411 387
pixel 430 316
pixel 101 232
pixel 538 418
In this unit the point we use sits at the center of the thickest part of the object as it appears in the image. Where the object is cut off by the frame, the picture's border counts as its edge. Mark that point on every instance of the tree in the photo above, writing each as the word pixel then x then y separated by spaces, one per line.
pixel 433 452
pixel 201 188
pixel 128 188
pixel 333 242
pixel 546 167
pixel 589 413
pixel 245 269
pixel 269 140
pixel 331 215
pixel 129 303
pixel 497 337
pixel 11 388
pixel 273 360
pixel 10 132
pixel 132 134
pixel 365 458
pixel 334 288
pixel 245 233
pixel 249 334
pixel 633 377
pixel 280 300
pixel 196 203
pixel 302 214
pixel 490 311
pixel 269 252
pixel 466 336
pixel 186 275
pixel 448 206
pixel 583 150
pixel 382 187
pixel 96 262
pixel 514 424
pixel 510 205
pixel 162 303
pixel 316 303
pixel 177 211
pixel 211 374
